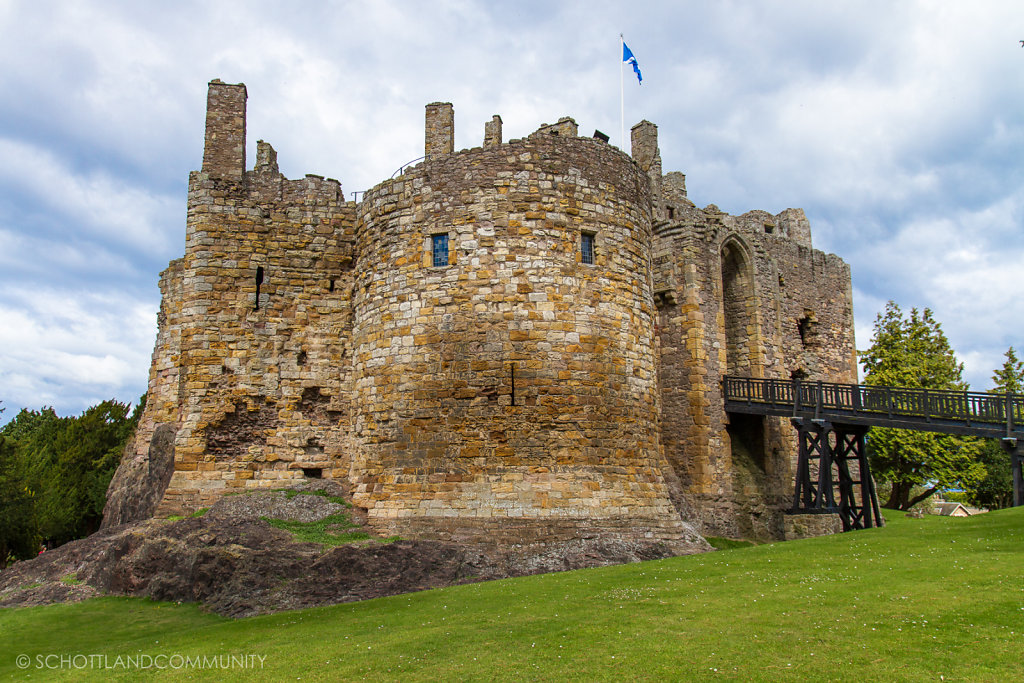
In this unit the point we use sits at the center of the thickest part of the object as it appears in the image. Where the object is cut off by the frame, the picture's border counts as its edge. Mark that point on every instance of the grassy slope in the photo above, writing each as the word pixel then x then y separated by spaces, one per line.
pixel 917 600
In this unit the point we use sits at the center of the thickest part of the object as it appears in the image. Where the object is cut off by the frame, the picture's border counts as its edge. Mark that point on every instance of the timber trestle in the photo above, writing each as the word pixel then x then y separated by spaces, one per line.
pixel 833 457
pixel 832 419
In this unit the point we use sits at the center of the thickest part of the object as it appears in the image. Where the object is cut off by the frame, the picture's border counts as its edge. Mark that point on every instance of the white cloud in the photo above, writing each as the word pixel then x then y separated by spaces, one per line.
pixel 43 256
pixel 57 346
pixel 95 200
pixel 894 124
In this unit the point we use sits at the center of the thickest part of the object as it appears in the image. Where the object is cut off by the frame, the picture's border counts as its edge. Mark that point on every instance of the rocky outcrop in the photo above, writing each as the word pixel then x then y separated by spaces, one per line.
pixel 140 480
pixel 236 563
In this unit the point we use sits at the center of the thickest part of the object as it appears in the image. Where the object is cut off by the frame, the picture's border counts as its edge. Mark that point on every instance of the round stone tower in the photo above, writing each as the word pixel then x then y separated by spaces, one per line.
pixel 504 367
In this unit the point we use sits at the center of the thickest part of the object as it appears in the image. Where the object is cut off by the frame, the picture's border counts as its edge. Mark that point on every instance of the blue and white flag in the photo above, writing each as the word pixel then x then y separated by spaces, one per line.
pixel 627 56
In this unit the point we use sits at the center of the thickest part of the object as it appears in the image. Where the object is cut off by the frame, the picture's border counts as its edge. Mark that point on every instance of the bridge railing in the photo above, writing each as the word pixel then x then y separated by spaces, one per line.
pixel 805 397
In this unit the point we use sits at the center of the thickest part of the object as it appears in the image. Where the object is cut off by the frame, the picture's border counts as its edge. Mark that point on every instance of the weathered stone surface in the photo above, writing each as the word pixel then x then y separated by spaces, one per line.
pixel 743 295
pixel 140 482
pixel 513 391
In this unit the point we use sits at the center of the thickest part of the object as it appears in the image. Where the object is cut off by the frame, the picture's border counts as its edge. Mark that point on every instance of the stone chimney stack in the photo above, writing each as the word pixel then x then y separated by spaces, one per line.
pixel 224 152
pixel 440 135
pixel 492 132
pixel 644 139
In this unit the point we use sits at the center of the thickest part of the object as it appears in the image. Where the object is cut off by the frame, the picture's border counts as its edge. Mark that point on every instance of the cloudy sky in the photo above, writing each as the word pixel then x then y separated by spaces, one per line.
pixel 896 125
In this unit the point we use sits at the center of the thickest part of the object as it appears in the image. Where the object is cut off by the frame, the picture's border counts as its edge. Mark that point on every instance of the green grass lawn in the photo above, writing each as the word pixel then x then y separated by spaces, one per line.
pixel 923 599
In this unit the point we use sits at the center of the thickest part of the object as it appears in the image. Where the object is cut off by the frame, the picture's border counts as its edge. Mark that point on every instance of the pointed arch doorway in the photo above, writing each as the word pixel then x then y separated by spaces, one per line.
pixel 743 358
pixel 739 309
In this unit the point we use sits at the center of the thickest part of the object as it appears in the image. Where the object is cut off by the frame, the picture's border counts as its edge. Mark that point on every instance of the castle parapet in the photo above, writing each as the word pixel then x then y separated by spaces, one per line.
pixel 565 126
pixel 794 225
pixel 266 158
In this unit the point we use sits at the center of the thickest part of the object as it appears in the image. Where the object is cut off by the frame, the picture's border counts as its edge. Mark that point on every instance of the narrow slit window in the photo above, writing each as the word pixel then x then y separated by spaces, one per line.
pixel 439 245
pixel 587 247
pixel 259 283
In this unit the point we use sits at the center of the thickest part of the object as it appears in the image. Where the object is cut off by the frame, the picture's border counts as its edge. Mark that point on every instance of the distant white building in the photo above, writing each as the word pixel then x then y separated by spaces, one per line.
pixel 951 509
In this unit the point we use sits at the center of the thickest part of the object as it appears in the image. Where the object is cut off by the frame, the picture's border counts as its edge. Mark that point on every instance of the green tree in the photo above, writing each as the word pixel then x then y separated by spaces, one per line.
pixel 34 434
pixel 19 537
pixel 89 449
pixel 912 351
pixel 1009 379
pixel 995 489
pixel 67 464
pixel 27 422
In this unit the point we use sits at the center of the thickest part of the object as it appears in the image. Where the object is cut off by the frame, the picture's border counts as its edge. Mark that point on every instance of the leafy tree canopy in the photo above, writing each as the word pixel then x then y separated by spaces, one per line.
pixel 995 489
pixel 19 536
pixel 912 351
pixel 1009 379
pixel 27 422
pixel 54 473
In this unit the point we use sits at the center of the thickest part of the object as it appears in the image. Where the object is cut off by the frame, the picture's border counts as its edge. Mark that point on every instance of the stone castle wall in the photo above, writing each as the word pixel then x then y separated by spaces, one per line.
pixel 255 389
pixel 265 331
pixel 440 350
pixel 743 295
pixel 513 392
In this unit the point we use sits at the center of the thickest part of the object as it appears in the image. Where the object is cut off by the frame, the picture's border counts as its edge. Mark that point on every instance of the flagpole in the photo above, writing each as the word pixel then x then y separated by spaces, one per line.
pixel 622 94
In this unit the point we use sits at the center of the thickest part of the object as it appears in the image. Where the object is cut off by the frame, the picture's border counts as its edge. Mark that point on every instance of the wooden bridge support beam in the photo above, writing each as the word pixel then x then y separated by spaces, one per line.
pixel 858 502
pixel 814 492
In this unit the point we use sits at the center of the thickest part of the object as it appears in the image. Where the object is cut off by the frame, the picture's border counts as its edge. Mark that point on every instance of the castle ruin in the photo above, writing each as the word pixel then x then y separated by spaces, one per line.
pixel 515 342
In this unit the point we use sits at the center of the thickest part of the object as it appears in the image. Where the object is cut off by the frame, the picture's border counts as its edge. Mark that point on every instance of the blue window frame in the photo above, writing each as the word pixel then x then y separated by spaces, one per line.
pixel 587 247
pixel 439 247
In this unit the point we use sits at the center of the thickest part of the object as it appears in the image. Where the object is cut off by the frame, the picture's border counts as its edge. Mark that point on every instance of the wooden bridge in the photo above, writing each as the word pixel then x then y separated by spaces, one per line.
pixel 832 420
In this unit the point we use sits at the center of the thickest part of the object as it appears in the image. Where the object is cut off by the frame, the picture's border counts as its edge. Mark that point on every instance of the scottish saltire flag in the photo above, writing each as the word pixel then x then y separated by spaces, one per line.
pixel 627 56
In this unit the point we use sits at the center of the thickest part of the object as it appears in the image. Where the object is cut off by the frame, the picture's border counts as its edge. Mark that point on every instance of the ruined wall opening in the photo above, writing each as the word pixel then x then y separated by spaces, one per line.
pixel 807 326
pixel 746 436
pixel 738 307
pixel 230 438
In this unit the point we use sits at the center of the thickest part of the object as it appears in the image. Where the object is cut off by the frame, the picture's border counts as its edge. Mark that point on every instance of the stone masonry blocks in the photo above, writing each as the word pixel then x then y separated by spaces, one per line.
pixel 224 151
pixel 440 130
